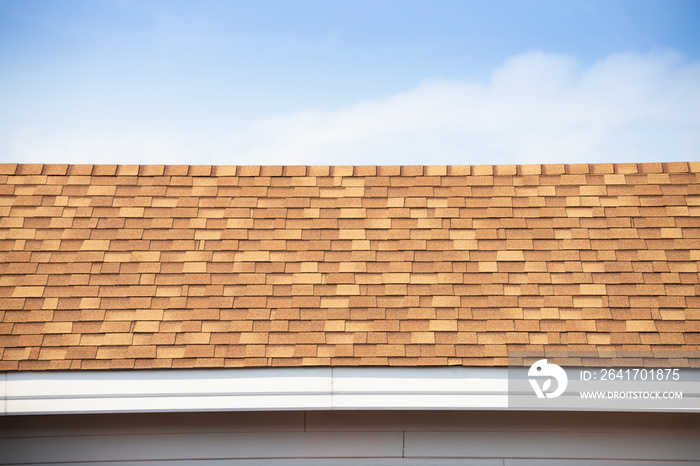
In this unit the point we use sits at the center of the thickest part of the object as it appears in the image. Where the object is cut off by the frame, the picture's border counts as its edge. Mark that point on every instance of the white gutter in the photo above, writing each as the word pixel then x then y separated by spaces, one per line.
pixel 3 395
pixel 259 389
pixel 276 389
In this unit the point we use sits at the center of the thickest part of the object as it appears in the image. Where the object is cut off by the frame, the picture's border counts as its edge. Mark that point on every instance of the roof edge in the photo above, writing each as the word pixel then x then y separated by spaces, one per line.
pixel 292 389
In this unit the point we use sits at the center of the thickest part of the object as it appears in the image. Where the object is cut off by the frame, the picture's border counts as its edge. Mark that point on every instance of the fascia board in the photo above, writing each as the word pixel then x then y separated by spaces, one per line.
pixel 260 389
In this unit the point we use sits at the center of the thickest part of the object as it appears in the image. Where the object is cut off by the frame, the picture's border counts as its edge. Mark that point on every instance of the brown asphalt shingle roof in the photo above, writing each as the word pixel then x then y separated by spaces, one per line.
pixel 197 266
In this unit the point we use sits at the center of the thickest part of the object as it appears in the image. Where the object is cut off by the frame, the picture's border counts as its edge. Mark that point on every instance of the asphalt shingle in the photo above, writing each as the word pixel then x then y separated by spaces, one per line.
pixel 114 267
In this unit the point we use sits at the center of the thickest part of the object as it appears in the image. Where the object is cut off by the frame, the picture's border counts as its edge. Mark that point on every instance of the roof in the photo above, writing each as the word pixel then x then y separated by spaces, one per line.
pixel 121 267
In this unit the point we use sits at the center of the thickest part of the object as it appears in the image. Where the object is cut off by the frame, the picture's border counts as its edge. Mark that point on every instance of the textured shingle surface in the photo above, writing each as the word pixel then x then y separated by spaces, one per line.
pixel 198 266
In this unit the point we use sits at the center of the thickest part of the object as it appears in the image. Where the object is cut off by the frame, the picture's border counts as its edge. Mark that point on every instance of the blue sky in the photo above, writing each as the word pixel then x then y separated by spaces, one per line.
pixel 349 82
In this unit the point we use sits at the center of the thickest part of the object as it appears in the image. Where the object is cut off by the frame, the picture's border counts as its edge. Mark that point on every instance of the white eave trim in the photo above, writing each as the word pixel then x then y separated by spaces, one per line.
pixel 254 389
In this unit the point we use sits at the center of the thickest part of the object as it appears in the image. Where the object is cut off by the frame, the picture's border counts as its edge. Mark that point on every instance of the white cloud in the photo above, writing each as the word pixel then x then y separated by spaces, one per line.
pixel 536 108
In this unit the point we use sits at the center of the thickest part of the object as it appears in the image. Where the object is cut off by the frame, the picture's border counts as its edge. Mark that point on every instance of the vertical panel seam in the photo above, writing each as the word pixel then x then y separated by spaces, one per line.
pixel 403 444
